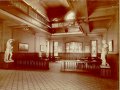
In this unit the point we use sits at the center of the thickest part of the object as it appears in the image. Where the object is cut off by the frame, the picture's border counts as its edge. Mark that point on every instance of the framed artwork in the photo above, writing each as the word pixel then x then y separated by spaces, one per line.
pixel 23 47
pixel 110 46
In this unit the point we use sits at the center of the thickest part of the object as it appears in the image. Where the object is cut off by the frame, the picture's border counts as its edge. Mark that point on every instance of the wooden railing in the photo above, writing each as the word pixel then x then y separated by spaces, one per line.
pixel 29 60
pixel 89 66
pixel 31 64
pixel 79 65
pixel 25 61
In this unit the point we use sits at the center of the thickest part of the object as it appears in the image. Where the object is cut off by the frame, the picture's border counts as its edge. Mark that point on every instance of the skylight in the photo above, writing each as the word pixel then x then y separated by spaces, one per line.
pixel 70 16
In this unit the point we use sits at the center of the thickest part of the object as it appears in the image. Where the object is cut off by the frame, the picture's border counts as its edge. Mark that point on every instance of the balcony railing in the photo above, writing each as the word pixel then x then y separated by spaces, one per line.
pixel 27 10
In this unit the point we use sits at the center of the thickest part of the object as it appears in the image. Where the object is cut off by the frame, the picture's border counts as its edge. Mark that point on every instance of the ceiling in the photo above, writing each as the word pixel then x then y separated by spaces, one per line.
pixel 93 16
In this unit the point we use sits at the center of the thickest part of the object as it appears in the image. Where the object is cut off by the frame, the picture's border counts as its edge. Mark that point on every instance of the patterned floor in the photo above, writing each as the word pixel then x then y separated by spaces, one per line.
pixel 52 79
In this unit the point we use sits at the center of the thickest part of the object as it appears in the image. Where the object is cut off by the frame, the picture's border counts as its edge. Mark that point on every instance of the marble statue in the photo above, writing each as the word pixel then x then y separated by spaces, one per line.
pixel 8 51
pixel 104 53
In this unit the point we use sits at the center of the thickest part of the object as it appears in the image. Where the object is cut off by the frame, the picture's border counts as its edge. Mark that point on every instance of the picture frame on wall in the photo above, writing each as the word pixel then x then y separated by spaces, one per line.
pixel 110 46
pixel 23 47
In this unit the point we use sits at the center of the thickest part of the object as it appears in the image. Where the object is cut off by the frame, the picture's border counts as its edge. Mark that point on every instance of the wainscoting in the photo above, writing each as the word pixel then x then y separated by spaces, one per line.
pixel 74 56
pixel 113 60
pixel 31 60
pixel 85 66
pixel 24 61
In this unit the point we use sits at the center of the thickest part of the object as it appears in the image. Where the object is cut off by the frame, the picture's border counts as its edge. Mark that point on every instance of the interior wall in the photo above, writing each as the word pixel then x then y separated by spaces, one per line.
pixel 25 37
pixel 113 56
pixel 34 40
pixel 41 42
pixel 37 41
pixel 5 34
pixel 112 34
pixel 85 40
pixel 0 37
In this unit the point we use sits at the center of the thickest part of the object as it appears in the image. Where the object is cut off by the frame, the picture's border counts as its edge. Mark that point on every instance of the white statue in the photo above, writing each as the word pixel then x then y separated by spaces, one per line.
pixel 8 51
pixel 104 53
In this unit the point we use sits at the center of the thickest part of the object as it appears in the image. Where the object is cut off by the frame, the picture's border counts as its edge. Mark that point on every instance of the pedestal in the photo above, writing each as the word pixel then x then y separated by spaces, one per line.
pixel 105 71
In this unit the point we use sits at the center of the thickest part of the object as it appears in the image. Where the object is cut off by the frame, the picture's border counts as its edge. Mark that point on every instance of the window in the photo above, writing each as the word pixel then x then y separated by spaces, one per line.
pixel 94 48
pixel 74 47
pixel 55 48
pixel 67 47
pixel 110 45
pixel 47 46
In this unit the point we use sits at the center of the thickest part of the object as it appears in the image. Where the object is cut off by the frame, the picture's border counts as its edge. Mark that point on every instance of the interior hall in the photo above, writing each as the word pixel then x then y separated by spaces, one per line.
pixel 59 44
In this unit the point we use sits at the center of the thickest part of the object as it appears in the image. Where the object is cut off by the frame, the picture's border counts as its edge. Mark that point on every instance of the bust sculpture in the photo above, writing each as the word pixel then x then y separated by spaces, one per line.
pixel 8 51
pixel 104 53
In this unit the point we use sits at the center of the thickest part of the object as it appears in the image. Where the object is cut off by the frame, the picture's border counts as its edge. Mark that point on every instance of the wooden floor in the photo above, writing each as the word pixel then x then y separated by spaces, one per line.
pixel 52 79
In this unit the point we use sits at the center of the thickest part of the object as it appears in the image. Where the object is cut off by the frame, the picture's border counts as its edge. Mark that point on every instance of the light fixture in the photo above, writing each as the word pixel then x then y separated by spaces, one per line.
pixel 26 28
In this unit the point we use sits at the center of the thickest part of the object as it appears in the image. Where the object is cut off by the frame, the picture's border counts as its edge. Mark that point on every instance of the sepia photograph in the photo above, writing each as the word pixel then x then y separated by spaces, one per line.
pixel 59 44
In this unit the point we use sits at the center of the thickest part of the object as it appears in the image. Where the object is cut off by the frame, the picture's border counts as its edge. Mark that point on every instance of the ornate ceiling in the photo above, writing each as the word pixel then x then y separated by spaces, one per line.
pixel 92 16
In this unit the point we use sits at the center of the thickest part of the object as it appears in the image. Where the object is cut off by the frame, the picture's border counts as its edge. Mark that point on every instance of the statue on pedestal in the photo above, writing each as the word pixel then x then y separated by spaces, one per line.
pixel 104 53
pixel 8 51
